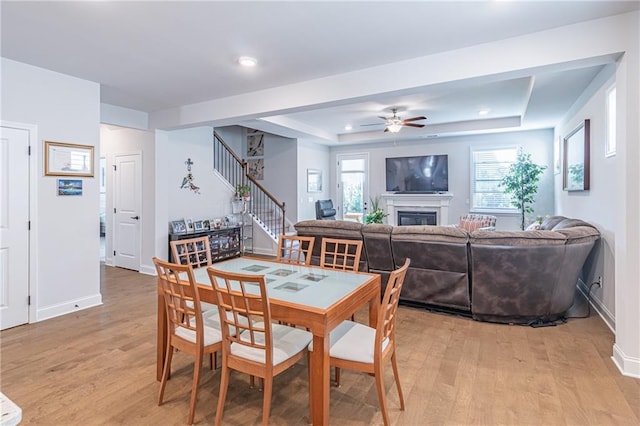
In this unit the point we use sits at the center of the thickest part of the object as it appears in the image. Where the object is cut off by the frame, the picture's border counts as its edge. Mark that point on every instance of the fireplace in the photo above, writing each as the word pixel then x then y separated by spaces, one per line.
pixel 417 218
pixel 436 204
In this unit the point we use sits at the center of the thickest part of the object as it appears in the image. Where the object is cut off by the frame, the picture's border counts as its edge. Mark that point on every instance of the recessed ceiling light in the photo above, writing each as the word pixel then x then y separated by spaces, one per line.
pixel 247 61
pixel 484 111
pixel 348 127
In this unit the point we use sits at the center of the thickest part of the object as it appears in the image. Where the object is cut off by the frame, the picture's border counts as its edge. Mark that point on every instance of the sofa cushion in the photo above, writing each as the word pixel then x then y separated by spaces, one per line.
pixel 580 234
pixel 520 238
pixel 430 233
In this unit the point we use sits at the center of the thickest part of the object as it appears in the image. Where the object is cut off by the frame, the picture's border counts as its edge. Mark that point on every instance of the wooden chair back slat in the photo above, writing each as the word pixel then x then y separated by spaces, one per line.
pixel 295 249
pixel 193 251
pixel 341 254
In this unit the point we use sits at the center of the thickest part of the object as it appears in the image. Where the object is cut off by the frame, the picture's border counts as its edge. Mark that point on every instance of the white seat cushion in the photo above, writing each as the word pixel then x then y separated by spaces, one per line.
pixel 353 341
pixel 204 307
pixel 212 335
pixel 287 341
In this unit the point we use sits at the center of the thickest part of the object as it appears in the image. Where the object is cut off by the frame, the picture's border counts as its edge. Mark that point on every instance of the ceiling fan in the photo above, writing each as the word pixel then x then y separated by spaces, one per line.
pixel 394 123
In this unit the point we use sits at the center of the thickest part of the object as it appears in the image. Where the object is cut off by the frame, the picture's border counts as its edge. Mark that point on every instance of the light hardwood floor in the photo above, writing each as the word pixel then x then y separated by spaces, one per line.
pixel 96 366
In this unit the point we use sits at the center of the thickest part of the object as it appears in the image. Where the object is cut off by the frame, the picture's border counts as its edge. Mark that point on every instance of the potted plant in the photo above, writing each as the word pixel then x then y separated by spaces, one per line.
pixel 377 214
pixel 521 182
pixel 243 191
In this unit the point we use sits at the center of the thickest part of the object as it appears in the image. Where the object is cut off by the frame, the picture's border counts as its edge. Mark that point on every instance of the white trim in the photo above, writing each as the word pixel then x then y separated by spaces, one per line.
pixel 67 307
pixel 628 366
pixel 606 315
pixel 148 270
pixel 33 208
pixel 608 152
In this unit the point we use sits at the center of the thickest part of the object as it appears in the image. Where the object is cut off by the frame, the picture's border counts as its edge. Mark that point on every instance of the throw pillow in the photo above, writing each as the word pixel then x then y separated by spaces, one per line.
pixel 535 226
pixel 472 225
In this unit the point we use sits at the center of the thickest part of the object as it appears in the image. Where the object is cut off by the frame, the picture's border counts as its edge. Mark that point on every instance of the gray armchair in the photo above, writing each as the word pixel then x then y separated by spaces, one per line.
pixel 325 210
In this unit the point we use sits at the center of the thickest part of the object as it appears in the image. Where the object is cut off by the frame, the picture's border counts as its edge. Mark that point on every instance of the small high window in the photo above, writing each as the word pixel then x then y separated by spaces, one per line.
pixel 611 122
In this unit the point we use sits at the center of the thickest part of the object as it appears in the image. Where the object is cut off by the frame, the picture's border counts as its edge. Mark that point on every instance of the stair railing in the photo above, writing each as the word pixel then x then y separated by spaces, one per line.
pixel 264 207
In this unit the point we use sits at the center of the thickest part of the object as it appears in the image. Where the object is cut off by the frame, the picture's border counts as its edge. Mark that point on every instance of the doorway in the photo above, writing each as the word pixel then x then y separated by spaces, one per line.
pixel 353 186
pixel 127 210
pixel 16 170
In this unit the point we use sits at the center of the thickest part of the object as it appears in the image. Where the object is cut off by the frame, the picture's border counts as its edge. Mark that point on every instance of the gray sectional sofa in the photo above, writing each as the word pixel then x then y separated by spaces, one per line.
pixel 508 277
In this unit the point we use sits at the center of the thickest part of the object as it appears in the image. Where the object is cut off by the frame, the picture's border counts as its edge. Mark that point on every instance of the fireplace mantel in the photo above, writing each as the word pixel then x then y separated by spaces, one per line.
pixel 417 202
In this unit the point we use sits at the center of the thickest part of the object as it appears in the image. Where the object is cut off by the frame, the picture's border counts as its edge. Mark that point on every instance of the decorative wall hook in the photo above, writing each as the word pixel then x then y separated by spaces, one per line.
pixel 187 181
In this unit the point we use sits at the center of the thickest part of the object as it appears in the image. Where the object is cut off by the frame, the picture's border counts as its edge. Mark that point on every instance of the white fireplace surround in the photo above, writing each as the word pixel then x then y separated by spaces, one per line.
pixel 438 203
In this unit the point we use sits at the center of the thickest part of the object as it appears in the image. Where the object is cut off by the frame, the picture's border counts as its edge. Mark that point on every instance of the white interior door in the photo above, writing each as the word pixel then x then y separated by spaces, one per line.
pixel 14 227
pixel 127 202
pixel 353 186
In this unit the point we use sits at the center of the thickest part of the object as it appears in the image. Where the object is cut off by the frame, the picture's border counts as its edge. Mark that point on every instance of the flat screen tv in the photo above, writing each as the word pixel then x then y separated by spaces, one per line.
pixel 424 174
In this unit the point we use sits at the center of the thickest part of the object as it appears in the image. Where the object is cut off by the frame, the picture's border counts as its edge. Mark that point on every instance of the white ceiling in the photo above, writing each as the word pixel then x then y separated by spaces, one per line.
pixel 153 56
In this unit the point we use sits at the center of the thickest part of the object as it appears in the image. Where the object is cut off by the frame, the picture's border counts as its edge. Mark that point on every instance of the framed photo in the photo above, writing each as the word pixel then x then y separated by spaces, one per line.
pixel 314 180
pixel 66 159
pixel 206 224
pixel 255 144
pixel 178 227
pixel 189 224
pixel 256 169
pixel 69 186
pixel 198 225
pixel 575 171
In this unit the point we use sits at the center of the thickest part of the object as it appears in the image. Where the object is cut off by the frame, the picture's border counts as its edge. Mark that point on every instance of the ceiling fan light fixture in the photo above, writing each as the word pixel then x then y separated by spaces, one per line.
pixel 394 125
pixel 247 61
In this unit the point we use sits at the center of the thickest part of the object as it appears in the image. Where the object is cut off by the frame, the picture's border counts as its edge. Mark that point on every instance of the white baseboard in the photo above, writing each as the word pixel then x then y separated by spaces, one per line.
pixel 628 366
pixel 53 311
pixel 606 315
pixel 148 270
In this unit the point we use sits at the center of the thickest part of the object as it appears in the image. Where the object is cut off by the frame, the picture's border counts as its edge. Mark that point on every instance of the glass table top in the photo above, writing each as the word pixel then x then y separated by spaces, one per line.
pixel 319 288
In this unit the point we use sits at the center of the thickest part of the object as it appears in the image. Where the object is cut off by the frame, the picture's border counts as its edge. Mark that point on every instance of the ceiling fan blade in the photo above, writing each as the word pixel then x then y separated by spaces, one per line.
pixel 412 125
pixel 414 119
pixel 382 118
pixel 372 124
pixel 386 129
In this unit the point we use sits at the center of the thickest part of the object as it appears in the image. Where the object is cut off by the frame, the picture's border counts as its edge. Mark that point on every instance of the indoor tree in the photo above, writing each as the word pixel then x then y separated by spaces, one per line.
pixel 521 182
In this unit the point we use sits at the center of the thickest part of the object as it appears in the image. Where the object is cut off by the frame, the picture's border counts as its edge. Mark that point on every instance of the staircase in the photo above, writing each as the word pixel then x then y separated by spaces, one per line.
pixel 265 210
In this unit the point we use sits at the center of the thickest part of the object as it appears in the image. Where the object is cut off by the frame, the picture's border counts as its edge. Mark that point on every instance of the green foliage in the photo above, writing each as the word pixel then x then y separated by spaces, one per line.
pixel 242 190
pixel 521 182
pixel 576 175
pixel 377 214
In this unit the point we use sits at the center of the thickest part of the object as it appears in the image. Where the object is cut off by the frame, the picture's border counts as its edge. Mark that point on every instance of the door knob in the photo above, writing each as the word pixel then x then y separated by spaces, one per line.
pixel 135 217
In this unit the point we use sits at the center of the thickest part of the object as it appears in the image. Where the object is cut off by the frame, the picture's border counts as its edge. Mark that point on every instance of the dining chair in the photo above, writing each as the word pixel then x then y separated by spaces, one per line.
pixel 341 254
pixel 257 346
pixel 295 249
pixel 197 253
pixel 358 347
pixel 187 330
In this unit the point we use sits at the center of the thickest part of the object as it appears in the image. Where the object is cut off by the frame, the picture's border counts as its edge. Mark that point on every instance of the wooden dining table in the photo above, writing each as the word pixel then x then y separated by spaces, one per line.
pixel 308 296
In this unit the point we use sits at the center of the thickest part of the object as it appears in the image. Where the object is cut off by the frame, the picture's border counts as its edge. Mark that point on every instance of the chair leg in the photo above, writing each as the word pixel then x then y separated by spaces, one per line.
pixel 194 386
pixel 165 372
pixel 381 396
pixel 396 376
pixel 224 383
pixel 266 399
pixel 337 376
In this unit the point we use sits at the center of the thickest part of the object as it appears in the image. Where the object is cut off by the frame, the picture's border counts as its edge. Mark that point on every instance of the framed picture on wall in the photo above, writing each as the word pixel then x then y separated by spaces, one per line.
pixel 69 186
pixel 314 180
pixel 256 169
pixel 255 144
pixel 67 159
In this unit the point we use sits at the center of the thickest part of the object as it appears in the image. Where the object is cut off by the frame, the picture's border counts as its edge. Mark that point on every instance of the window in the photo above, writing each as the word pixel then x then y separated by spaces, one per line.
pixel 611 122
pixel 488 166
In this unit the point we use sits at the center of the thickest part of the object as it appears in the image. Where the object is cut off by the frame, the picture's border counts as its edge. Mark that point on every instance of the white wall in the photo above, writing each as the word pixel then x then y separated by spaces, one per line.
pixel 594 205
pixel 174 203
pixel 538 143
pixel 67 252
pixel 122 141
pixel 312 156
